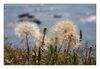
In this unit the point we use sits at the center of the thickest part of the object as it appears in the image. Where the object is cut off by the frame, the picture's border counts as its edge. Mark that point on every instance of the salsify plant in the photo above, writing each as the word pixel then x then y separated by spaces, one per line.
pixel 59 45
pixel 26 29
pixel 62 35
pixel 66 31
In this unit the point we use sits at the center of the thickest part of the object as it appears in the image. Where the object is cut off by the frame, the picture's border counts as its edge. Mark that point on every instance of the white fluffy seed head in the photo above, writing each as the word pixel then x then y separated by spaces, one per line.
pixel 63 26
pixel 65 29
pixel 27 28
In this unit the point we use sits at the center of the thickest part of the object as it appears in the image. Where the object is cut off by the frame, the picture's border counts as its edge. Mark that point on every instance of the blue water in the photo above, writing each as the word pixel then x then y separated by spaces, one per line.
pixel 83 15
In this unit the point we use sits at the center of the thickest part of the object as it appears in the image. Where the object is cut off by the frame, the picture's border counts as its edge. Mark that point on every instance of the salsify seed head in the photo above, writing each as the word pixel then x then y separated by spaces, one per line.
pixel 26 28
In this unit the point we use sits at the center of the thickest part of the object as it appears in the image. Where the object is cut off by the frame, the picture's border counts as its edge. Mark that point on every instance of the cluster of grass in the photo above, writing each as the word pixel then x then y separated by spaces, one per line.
pixel 50 56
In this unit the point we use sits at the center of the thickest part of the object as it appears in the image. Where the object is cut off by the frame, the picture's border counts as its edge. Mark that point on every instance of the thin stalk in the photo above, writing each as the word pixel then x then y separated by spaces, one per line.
pixel 55 53
pixel 39 56
pixel 81 35
pixel 89 57
pixel 27 49
pixel 39 52
pixel 44 33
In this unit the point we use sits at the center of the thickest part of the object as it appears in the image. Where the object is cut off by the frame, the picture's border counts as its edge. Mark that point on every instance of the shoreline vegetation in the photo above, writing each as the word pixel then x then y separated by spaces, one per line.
pixel 19 56
pixel 58 46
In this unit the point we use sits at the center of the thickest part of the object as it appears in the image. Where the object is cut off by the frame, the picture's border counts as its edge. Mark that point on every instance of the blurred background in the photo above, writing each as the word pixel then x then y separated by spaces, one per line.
pixel 83 15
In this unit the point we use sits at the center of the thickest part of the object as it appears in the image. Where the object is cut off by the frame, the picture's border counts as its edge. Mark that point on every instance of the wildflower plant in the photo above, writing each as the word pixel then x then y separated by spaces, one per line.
pixel 59 45
pixel 66 32
pixel 26 29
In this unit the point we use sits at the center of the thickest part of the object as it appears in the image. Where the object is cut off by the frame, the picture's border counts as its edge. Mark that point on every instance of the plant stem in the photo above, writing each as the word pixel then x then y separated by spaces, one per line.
pixel 39 56
pixel 27 49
